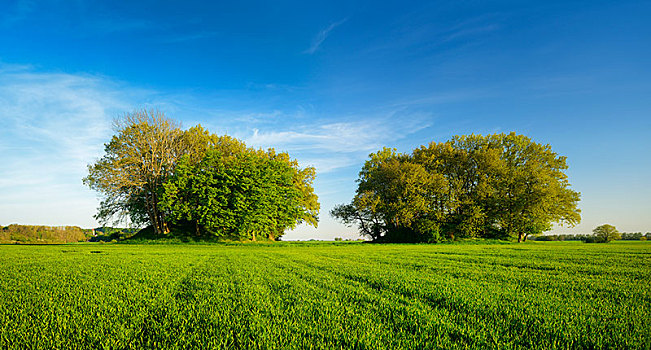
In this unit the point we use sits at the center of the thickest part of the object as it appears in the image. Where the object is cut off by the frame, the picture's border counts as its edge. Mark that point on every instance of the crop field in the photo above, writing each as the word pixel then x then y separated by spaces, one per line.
pixel 545 295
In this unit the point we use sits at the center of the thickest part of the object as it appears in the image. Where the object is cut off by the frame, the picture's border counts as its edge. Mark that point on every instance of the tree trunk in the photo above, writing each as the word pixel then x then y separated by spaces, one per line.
pixel 520 235
pixel 152 210
pixel 160 224
pixel 154 220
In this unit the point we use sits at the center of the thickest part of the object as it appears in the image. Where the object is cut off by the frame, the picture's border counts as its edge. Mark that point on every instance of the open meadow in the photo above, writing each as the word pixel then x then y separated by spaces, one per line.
pixel 545 295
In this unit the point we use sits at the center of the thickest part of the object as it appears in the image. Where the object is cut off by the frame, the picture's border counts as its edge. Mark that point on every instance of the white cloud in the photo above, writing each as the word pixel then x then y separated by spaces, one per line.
pixel 341 137
pixel 331 146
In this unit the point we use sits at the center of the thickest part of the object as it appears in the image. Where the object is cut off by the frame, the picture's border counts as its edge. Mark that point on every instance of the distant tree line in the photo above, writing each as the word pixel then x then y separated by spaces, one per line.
pixel 160 176
pixel 494 186
pixel 635 236
pixel 39 234
pixel 561 237
pixel 625 236
pixel 43 234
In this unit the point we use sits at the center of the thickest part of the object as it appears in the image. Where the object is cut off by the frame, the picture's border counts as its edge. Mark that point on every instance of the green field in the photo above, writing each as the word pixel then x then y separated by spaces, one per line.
pixel 542 295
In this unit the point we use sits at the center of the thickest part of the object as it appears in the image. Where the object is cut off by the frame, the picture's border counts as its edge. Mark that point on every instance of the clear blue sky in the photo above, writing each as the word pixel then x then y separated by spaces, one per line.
pixel 329 82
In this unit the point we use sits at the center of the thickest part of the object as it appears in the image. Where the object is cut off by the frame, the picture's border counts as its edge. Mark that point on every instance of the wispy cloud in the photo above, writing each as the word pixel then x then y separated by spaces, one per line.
pixel 331 146
pixel 322 36
pixel 51 126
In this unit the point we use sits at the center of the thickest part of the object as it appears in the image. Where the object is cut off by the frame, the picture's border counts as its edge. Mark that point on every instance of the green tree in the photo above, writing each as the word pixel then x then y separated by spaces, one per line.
pixel 392 197
pixel 606 233
pixel 137 161
pixel 502 185
pixel 465 164
pixel 531 188
pixel 244 195
pixel 148 150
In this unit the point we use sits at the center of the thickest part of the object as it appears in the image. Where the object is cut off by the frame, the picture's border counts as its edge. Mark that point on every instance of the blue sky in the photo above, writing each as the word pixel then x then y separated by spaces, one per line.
pixel 330 83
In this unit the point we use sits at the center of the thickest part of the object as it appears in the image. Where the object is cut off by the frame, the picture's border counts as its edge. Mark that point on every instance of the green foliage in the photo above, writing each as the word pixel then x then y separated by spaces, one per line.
pixel 605 233
pixel 495 186
pixel 242 195
pixel 320 295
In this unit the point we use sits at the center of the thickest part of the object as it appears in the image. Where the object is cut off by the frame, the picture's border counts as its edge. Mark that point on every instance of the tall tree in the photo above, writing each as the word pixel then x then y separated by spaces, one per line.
pixel 394 198
pixel 463 165
pixel 606 233
pixel 137 161
pixel 532 190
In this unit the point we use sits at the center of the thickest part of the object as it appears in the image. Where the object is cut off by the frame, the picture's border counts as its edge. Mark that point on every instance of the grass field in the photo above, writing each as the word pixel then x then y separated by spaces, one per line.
pixel 543 295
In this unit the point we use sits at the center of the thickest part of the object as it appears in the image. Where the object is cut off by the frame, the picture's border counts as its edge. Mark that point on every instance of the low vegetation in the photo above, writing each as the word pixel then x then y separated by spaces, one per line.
pixel 349 295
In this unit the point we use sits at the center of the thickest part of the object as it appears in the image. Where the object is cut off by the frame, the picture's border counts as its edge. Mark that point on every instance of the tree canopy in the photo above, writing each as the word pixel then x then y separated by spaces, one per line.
pixel 247 194
pixel 501 185
pixel 160 175
pixel 137 161
pixel 606 233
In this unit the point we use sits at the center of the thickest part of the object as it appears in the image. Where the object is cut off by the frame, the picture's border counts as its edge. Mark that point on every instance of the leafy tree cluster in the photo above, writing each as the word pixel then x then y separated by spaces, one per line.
pixel 42 234
pixel 494 186
pixel 604 234
pixel 156 174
